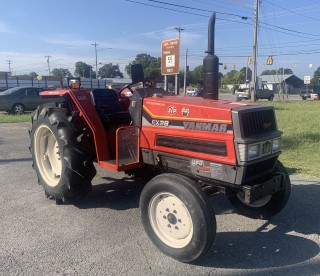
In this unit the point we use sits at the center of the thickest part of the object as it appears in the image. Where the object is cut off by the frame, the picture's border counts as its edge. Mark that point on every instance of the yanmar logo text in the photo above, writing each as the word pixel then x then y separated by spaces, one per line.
pixel 206 126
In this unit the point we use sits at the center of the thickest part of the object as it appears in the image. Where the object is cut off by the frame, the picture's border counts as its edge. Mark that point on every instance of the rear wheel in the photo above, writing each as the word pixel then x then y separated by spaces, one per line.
pixel 178 217
pixel 271 98
pixel 63 168
pixel 267 206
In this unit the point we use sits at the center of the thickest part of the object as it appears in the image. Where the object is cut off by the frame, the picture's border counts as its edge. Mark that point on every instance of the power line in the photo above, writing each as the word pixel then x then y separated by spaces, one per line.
pixel 292 11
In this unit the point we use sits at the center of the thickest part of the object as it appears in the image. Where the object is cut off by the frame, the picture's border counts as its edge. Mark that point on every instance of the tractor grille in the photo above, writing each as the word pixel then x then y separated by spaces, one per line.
pixel 257 169
pixel 257 122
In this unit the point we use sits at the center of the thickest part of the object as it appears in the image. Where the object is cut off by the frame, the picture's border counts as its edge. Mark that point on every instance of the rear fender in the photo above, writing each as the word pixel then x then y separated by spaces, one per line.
pixel 82 102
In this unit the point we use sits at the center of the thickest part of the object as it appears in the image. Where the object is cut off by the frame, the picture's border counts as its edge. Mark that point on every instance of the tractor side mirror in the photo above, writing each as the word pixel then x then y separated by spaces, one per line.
pixel 137 73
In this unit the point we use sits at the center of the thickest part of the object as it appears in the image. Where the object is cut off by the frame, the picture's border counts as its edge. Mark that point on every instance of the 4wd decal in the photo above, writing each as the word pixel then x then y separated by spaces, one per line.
pixel 206 168
pixel 205 126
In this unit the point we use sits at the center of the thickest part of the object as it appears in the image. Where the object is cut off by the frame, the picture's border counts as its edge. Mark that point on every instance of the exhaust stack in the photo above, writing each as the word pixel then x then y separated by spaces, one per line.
pixel 211 65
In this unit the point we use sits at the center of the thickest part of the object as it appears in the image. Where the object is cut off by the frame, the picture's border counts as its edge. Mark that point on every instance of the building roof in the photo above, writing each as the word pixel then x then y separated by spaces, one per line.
pixel 276 78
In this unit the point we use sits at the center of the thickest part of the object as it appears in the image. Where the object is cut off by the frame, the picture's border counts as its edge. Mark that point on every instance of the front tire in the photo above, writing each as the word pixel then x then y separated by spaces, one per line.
pixel 177 217
pixel 63 168
pixel 267 206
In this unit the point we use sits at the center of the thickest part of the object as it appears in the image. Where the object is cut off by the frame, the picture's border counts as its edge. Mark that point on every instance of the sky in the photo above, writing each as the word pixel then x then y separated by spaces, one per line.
pixel 32 30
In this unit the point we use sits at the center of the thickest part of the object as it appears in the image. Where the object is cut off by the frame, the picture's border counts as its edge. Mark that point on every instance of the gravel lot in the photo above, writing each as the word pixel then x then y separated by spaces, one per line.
pixel 103 235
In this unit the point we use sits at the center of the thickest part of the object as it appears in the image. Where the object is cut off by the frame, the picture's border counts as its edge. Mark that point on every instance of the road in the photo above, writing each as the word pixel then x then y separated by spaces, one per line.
pixel 103 235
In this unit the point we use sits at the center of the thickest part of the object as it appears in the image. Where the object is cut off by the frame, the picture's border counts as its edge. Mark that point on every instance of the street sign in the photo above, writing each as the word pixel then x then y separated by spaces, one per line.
pixel 170 57
pixel 307 79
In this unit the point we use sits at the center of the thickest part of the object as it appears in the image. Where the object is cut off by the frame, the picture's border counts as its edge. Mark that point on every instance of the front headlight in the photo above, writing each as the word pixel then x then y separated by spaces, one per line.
pixel 257 150
pixel 253 151
pixel 276 145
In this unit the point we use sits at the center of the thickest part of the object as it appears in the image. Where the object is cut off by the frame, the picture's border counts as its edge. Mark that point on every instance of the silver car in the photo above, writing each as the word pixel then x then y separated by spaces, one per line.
pixel 20 99
pixel 193 92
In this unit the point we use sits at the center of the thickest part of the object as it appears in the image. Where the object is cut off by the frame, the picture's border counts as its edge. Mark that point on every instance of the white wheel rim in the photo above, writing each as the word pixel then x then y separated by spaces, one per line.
pixel 47 155
pixel 258 203
pixel 170 220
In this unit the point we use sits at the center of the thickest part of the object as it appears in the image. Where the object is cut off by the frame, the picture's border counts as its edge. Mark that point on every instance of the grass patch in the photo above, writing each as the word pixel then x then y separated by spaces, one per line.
pixel 300 123
pixel 6 118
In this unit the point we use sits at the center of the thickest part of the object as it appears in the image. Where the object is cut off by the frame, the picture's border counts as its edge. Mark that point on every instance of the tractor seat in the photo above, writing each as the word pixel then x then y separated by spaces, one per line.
pixel 106 102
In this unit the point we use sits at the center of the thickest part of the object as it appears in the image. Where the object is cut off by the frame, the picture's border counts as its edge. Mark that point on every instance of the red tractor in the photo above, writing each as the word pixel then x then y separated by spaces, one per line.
pixel 193 148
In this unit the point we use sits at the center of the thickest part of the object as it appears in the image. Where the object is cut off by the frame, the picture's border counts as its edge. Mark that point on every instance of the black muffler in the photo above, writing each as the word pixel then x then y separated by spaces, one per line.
pixel 211 65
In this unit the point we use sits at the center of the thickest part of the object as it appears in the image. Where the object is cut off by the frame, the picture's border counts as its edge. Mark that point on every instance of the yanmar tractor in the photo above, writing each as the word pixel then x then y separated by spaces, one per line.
pixel 193 147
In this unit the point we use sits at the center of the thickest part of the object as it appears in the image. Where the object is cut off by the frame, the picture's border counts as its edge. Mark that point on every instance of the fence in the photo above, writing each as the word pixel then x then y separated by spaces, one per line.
pixel 7 82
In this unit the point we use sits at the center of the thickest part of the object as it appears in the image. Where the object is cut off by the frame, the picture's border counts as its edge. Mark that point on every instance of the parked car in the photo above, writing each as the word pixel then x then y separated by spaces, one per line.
pixel 314 96
pixel 20 99
pixel 261 93
pixel 309 94
pixel 193 92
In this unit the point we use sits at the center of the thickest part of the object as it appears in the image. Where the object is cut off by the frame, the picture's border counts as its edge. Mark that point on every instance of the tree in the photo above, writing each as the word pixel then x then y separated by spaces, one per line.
pixel 84 70
pixel 61 72
pixel 151 66
pixel 196 75
pixel 243 73
pixel 33 74
pixel 110 71
pixel 233 77
pixel 316 75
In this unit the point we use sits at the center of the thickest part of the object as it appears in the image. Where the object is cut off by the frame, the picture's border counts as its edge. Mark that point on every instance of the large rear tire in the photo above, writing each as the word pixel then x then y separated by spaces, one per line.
pixel 63 168
pixel 268 206
pixel 178 217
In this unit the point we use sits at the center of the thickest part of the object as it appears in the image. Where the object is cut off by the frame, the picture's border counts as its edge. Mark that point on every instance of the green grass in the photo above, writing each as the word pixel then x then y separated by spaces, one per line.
pixel 300 123
pixel 6 118
pixel 298 120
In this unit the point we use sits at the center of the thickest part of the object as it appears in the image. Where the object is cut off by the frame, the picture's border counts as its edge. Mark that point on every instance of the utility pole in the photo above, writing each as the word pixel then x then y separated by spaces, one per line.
pixel 9 62
pixel 255 49
pixel 179 30
pixel 48 61
pixel 95 48
pixel 185 73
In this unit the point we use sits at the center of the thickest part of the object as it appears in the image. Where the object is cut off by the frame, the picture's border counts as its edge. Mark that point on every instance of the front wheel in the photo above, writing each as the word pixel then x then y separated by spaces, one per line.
pixel 178 217
pixel 268 206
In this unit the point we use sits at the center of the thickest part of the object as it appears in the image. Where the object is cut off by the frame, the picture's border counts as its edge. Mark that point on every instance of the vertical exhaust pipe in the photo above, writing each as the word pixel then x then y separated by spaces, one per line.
pixel 211 65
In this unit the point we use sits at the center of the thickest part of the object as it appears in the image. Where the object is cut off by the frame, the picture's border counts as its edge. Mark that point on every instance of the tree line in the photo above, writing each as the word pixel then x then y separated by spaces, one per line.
pixel 152 70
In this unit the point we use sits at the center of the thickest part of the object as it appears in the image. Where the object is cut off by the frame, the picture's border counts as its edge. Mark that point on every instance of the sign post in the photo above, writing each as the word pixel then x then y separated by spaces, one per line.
pixel 170 52
pixel 307 80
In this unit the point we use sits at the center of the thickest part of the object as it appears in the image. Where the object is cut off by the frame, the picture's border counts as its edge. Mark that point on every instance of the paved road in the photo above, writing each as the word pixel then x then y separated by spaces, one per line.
pixel 103 235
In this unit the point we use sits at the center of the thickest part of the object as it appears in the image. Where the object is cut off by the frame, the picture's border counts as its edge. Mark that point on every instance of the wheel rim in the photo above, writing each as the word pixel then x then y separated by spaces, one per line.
pixel 18 108
pixel 47 155
pixel 258 203
pixel 170 220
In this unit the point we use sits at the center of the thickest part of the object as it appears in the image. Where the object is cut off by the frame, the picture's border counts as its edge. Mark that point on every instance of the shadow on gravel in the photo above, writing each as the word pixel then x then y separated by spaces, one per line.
pixel 278 242
pixel 117 194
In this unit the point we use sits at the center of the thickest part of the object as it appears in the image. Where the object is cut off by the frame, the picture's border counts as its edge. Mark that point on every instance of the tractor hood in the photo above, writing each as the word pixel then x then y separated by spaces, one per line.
pixel 189 109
